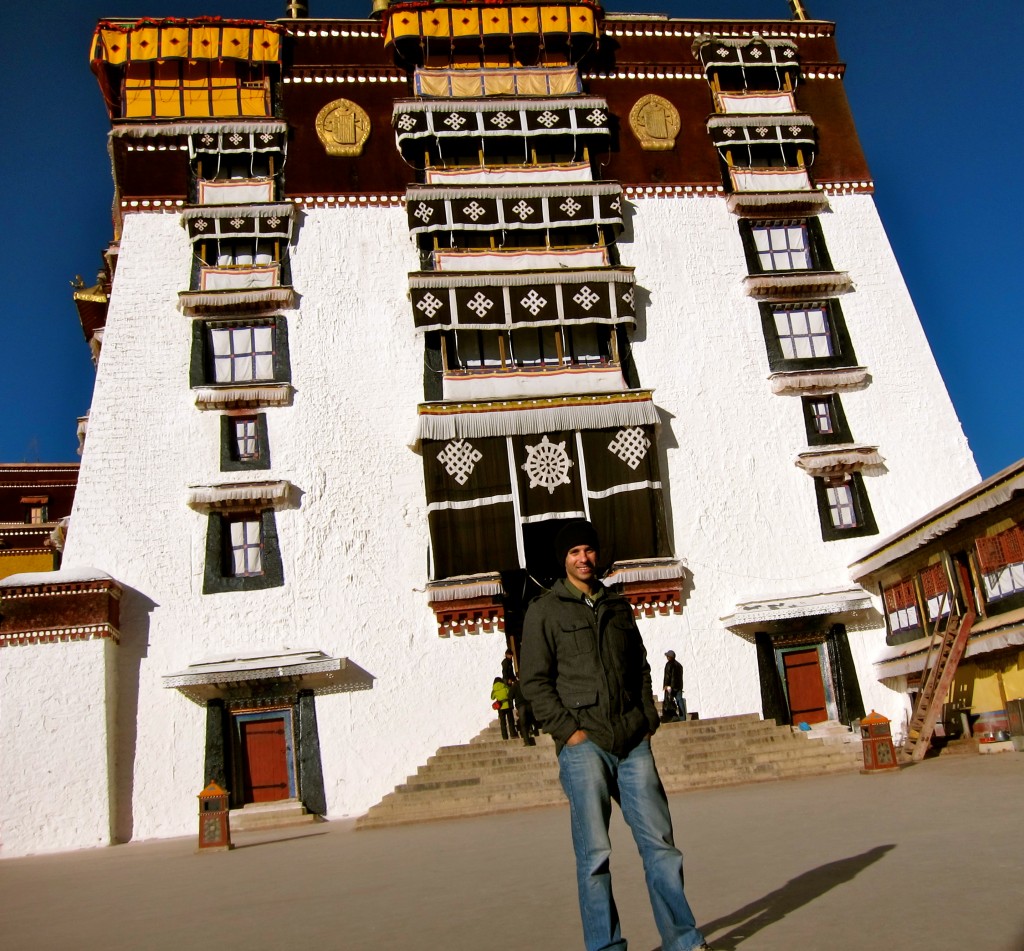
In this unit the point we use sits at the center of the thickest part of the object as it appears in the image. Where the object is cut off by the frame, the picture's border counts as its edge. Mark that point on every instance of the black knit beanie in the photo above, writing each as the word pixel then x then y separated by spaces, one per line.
pixel 576 532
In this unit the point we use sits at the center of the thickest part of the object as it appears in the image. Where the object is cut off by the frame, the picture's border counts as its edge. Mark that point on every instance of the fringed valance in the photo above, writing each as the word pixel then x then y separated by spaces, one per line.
pixel 769 204
pixel 524 207
pixel 210 222
pixel 233 141
pixel 239 495
pixel 230 397
pixel 853 607
pixel 644 569
pixel 838 459
pixel 531 81
pixel 730 131
pixel 202 38
pixel 512 175
pixel 796 284
pixel 810 382
pixel 196 129
pixel 465 587
pixel 715 51
pixel 534 298
pixel 525 259
pixel 530 417
pixel 204 302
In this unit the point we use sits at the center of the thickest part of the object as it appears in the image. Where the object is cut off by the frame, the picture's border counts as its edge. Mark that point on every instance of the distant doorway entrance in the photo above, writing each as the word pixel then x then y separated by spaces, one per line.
pixel 805 686
pixel 266 762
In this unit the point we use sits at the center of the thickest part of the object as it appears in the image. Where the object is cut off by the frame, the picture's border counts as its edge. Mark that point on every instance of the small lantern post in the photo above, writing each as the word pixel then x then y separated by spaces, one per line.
pixel 214 826
pixel 876 741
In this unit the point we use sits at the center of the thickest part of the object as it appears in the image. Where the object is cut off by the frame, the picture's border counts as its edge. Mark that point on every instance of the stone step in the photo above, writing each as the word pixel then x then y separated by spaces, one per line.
pixel 490 775
pixel 270 815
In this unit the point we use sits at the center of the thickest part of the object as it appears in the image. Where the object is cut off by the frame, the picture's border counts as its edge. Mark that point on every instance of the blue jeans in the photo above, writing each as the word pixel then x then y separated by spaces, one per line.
pixel 591 778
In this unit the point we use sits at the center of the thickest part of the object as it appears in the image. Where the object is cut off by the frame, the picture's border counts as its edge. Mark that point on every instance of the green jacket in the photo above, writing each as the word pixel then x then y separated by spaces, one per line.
pixel 499 692
pixel 586 668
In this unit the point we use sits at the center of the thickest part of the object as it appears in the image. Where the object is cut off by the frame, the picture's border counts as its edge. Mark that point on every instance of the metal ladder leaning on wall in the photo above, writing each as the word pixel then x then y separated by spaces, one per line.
pixel 937 681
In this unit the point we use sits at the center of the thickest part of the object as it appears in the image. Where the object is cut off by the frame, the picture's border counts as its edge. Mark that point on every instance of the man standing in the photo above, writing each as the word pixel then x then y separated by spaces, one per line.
pixel 673 687
pixel 585 673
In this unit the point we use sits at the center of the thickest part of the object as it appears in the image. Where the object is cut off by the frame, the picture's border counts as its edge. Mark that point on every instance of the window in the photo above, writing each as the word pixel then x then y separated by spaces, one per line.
pixel 843 507
pixel 825 420
pixel 789 245
pixel 901 606
pixel 243 253
pixel 1001 560
pixel 239 352
pixel 806 336
pixel 935 588
pixel 242 552
pixel 36 514
pixel 244 443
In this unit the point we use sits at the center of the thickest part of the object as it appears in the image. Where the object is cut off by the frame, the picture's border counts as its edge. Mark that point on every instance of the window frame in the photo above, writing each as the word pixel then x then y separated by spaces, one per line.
pixel 201 368
pixel 217 575
pixel 840 427
pixel 818 252
pixel 230 460
pixel 843 354
pixel 865 519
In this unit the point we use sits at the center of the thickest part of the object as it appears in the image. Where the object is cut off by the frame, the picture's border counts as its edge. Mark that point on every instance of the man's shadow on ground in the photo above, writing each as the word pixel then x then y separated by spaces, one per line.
pixel 797 892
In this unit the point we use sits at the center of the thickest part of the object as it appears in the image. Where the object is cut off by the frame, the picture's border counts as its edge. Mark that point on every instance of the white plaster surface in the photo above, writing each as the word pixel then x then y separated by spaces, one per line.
pixel 743 517
pixel 57 705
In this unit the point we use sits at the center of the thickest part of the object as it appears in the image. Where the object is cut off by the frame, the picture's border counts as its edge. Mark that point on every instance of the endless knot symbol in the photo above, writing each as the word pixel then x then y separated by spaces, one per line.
pixel 430 305
pixel 570 206
pixel 200 225
pixel 207 139
pixel 480 305
pixel 502 120
pixel 533 302
pixel 616 205
pixel 756 53
pixel 406 123
pixel 722 51
pixel 273 222
pixel 596 117
pixel 547 465
pixel 794 130
pixel 235 139
pixel 424 213
pixel 265 137
pixel 523 210
pixel 459 459
pixel 455 121
pixel 586 298
pixel 474 210
pixel 788 53
pixel 629 297
pixel 761 130
pixel 630 445
pixel 547 119
pixel 237 222
pixel 728 133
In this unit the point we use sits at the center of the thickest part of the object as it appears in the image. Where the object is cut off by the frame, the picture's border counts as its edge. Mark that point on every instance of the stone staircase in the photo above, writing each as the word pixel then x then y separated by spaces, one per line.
pixel 489 775
pixel 270 815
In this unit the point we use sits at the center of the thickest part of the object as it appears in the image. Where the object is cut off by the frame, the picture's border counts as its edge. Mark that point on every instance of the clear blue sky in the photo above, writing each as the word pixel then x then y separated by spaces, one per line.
pixel 935 90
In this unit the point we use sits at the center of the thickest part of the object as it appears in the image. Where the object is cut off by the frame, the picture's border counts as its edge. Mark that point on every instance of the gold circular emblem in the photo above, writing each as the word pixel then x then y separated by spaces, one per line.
pixel 655 122
pixel 343 127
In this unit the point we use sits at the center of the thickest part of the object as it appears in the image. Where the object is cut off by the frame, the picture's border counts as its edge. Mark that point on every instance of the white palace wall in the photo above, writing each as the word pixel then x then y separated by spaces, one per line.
pixel 354 551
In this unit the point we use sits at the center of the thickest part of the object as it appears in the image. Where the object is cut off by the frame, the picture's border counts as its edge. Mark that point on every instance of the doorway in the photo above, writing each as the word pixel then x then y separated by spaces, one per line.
pixel 266 755
pixel 805 686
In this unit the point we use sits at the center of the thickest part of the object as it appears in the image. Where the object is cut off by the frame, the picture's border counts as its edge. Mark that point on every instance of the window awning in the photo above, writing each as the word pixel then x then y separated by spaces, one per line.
pixel 567 172
pixel 304 669
pixel 509 300
pixel 244 137
pixel 415 119
pixel 836 459
pixel 727 51
pixel 809 382
pixel 494 81
pixel 211 222
pixel 793 285
pixel 240 495
pixel 727 131
pixel 532 416
pixel 852 607
pixel 433 208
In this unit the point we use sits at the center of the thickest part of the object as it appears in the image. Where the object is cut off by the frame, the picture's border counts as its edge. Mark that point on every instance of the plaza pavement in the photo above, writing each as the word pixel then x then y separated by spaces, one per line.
pixel 930 857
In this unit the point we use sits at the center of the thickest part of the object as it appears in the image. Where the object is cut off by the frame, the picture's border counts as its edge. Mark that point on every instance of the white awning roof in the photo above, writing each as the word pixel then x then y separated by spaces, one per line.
pixel 852 607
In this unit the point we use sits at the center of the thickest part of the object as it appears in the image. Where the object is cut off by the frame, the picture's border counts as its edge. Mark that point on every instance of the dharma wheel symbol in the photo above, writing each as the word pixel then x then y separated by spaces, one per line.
pixel 547 464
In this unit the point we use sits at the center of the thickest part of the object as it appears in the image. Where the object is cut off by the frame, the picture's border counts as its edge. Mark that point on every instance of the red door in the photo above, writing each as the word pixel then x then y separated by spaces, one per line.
pixel 264 767
pixel 805 686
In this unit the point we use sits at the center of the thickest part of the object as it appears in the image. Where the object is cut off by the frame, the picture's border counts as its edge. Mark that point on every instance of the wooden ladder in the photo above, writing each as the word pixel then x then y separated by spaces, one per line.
pixel 937 680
